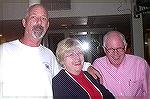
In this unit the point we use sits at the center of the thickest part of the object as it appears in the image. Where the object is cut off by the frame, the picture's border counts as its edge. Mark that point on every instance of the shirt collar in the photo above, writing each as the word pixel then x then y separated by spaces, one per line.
pixel 112 66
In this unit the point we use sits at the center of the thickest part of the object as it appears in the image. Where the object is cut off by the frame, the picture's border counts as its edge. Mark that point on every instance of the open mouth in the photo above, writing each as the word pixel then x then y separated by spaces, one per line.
pixel 38 28
pixel 77 64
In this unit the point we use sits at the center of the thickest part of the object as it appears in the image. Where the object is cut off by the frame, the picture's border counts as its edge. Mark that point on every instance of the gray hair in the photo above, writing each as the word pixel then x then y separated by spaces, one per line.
pixel 105 38
pixel 31 7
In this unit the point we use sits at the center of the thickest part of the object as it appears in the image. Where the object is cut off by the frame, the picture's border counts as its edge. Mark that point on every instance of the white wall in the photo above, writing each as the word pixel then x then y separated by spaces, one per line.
pixel 92 9
pixel 15 9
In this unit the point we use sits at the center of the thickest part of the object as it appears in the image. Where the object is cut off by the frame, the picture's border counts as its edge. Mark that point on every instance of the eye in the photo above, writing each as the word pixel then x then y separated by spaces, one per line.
pixel 120 49
pixel 79 53
pixel 69 54
pixel 33 17
pixel 44 18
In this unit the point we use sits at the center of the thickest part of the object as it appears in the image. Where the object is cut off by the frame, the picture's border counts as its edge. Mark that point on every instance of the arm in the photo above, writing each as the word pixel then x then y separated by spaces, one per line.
pixel 149 82
pixel 91 70
pixel 148 79
pixel 95 73
pixel 57 89
pixel 146 83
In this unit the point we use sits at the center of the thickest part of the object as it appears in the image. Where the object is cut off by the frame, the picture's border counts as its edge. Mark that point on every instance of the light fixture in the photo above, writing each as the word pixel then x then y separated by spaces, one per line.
pixel 85 46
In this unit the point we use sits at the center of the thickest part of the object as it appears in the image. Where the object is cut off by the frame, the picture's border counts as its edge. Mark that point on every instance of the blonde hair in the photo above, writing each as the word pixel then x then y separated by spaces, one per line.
pixel 65 46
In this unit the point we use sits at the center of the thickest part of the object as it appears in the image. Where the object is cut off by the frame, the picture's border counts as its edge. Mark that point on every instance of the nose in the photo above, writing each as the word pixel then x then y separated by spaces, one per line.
pixel 39 20
pixel 116 52
pixel 76 55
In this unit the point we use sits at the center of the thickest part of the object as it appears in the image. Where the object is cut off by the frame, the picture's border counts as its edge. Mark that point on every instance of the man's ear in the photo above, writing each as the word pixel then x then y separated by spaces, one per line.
pixel 47 25
pixel 24 22
pixel 125 47
pixel 104 49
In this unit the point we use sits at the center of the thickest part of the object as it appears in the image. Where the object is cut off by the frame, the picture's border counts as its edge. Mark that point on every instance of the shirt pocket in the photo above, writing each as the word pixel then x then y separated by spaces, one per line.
pixel 136 87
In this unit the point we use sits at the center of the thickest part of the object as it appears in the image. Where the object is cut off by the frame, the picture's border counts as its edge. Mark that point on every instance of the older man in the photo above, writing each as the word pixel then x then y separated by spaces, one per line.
pixel 123 74
pixel 26 66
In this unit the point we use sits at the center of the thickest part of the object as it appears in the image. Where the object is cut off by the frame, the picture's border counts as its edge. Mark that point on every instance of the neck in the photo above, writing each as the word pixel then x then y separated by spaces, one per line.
pixel 74 73
pixel 117 66
pixel 29 42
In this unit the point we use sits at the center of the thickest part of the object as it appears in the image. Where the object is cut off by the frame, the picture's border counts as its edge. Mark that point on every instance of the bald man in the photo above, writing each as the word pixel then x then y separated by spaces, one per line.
pixel 123 74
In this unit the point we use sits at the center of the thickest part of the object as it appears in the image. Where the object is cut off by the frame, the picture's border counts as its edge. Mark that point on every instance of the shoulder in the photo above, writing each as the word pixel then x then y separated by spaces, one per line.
pixel 46 51
pixel 136 62
pixel 9 46
pixel 60 75
pixel 134 58
pixel 101 60
pixel 60 79
pixel 90 77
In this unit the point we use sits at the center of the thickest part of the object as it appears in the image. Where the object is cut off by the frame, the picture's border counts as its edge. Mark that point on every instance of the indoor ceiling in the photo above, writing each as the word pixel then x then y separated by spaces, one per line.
pixel 105 21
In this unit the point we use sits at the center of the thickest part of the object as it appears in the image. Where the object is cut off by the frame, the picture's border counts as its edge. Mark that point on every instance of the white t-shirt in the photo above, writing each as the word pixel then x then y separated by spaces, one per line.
pixel 26 72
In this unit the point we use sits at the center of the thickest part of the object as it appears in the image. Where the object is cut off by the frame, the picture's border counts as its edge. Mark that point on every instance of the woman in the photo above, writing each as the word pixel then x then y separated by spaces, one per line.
pixel 71 82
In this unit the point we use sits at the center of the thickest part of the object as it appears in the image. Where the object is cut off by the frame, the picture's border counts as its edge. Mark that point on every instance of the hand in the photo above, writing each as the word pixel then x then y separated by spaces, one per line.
pixel 95 73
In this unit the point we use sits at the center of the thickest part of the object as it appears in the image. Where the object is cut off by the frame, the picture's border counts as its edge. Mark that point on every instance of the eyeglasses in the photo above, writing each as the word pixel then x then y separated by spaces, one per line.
pixel 111 50
pixel 73 54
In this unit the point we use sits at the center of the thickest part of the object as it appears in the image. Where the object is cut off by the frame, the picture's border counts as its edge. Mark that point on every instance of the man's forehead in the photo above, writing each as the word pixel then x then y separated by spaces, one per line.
pixel 37 9
pixel 114 44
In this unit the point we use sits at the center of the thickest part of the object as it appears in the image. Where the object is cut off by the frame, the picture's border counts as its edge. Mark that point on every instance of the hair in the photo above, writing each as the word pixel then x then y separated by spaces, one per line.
pixel 106 36
pixel 31 7
pixel 64 46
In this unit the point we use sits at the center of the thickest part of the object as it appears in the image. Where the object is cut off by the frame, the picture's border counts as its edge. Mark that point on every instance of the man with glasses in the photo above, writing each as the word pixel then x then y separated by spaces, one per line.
pixel 123 74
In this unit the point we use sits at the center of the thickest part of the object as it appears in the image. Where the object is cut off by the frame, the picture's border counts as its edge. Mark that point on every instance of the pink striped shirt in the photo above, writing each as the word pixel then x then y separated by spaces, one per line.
pixel 131 78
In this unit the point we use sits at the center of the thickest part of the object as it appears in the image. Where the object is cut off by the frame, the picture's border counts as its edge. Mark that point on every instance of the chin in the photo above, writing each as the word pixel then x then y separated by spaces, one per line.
pixel 115 63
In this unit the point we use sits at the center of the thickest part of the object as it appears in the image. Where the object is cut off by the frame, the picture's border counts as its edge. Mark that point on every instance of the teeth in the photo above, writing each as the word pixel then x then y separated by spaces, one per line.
pixel 78 64
pixel 38 28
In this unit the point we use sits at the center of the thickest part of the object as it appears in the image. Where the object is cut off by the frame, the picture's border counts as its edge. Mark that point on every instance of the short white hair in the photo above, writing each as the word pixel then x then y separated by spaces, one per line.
pixel 105 38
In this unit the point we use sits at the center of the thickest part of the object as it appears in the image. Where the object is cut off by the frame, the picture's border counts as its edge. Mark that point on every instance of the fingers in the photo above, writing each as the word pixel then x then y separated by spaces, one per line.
pixel 99 75
pixel 96 74
pixel 90 70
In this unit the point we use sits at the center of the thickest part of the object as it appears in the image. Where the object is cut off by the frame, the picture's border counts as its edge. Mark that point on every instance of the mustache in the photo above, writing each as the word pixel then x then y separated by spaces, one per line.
pixel 38 28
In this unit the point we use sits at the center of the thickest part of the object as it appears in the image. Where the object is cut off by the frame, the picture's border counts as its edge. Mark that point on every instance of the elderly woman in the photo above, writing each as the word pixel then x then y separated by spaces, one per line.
pixel 71 82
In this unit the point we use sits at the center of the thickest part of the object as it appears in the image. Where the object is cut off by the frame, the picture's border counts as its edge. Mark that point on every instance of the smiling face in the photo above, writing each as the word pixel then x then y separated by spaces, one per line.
pixel 115 48
pixel 73 61
pixel 36 22
pixel 70 55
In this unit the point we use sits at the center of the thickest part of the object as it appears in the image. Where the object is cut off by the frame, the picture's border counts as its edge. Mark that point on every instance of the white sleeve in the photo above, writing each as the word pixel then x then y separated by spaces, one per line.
pixel 86 65
pixel 56 67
